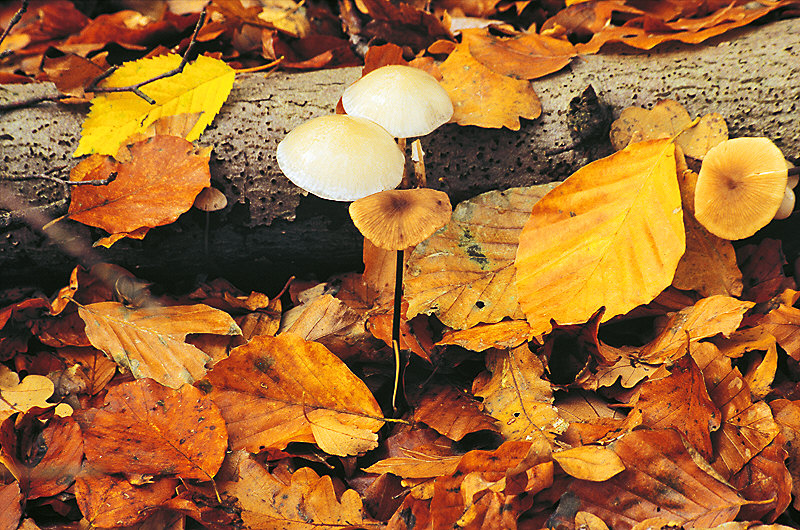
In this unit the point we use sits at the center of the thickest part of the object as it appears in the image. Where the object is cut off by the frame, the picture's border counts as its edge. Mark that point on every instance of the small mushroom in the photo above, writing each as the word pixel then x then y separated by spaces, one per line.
pixel 740 187
pixel 396 220
pixel 209 200
pixel 341 158
pixel 787 205
pixel 404 100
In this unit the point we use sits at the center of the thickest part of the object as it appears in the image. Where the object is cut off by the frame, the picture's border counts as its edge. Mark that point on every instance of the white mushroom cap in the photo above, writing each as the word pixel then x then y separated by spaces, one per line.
pixel 341 158
pixel 404 100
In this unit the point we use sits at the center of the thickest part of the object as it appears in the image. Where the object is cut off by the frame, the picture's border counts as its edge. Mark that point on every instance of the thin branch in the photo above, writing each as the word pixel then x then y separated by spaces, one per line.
pixel 135 88
pixel 29 102
pixel 14 20
pixel 46 176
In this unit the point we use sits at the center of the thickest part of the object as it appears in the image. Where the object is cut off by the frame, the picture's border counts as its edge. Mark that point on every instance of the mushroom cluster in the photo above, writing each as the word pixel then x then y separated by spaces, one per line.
pixel 743 184
pixel 354 157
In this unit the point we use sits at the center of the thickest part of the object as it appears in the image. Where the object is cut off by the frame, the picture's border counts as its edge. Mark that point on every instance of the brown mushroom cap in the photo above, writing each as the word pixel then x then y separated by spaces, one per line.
pixel 210 200
pixel 740 187
pixel 341 158
pixel 398 219
pixel 404 100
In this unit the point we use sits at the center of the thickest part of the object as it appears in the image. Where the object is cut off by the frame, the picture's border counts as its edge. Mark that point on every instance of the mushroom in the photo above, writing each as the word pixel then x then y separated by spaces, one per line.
pixel 406 101
pixel 341 158
pixel 740 187
pixel 209 200
pixel 396 220
pixel 787 205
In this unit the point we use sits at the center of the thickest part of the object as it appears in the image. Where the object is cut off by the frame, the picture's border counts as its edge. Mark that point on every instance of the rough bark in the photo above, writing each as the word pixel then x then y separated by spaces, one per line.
pixel 271 229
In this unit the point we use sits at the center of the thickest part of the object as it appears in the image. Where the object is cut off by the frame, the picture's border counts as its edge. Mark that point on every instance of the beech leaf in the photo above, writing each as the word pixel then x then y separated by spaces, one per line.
pixel 609 236
pixel 202 86
pixel 589 462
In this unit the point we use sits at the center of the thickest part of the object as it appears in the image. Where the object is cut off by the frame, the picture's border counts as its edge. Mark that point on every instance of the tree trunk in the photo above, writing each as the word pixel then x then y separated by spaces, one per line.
pixel 271 230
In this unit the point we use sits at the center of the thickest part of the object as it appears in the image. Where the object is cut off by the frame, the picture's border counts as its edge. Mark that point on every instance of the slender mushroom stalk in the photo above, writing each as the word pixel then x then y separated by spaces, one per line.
pixel 395 220
pixel 209 200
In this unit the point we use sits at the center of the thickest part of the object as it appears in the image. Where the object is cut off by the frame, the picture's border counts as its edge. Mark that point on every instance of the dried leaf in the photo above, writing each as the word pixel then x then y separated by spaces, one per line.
pixel 203 86
pixel 10 505
pixel 504 335
pixel 787 416
pixel 589 462
pixel 160 182
pixel 660 479
pixel 451 412
pixel 609 236
pixel 762 270
pixel 527 56
pixel 516 395
pixel 783 323
pixel 273 389
pixel 16 396
pixel 305 501
pixel 150 429
pixel 766 482
pixel 150 342
pixel 484 98
pixel 464 273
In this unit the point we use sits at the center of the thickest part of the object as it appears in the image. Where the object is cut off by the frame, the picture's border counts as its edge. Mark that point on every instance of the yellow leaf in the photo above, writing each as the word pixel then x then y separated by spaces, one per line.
pixel 590 462
pixel 16 396
pixel 609 236
pixel 202 87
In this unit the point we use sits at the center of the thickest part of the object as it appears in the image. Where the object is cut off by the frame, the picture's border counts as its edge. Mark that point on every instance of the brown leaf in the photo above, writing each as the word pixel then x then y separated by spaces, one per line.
pixel 476 249
pixel 709 264
pixel 484 98
pixel 783 323
pixel 706 318
pixel 273 389
pixel 304 501
pixel 150 429
pixel 680 401
pixel 111 501
pixel 10 505
pixel 516 395
pixel 322 317
pixel 45 460
pixel 419 462
pixel 787 416
pixel 589 462
pixel 660 479
pixel 451 412
pixel 765 479
pixel 527 56
pixel 160 182
pixel 762 270
pixel 149 342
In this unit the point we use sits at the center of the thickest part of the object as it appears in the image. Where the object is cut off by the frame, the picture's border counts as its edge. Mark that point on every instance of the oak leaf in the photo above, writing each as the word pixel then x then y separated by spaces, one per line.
pixel 158 184
pixel 609 236
pixel 202 86
pixel 305 501
pixel 484 98
pixel 150 342
pixel 274 390
pixel 149 429
pixel 464 273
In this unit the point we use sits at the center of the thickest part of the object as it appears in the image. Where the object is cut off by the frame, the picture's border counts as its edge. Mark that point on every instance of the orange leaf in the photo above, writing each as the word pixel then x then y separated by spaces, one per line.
pixel 149 342
pixel 787 415
pixel 660 479
pixel 273 389
pixel 160 182
pixel 10 505
pixel 765 481
pixel 680 401
pixel 476 252
pixel 516 395
pixel 783 323
pixel 506 334
pixel 609 236
pixel 147 428
pixel 111 501
pixel 589 462
pixel 451 412
pixel 305 501
pixel 527 56
pixel 762 270
pixel 484 98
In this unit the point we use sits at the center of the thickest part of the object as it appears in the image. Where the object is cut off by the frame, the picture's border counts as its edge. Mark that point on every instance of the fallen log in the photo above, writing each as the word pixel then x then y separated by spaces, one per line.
pixel 271 230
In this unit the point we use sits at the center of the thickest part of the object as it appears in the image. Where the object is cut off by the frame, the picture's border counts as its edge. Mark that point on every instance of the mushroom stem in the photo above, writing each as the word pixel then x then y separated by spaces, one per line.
pixel 418 156
pixel 398 295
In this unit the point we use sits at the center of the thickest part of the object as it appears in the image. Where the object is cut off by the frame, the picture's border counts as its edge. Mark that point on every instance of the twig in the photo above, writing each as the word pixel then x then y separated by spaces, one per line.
pixel 135 88
pixel 97 182
pixel 14 20
pixel 28 102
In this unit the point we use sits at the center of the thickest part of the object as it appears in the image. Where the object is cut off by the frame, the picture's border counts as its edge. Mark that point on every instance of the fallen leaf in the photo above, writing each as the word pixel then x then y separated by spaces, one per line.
pixel 526 56
pixel 451 412
pixel 149 429
pixel 272 389
pixel 305 501
pixel 762 268
pixel 150 342
pixel 516 395
pixel 202 86
pixel 15 396
pixel 507 334
pixel 160 183
pixel 484 98
pixel 766 482
pixel 10 505
pixel 783 322
pixel 660 479
pixel 464 273
pixel 787 416
pixel 589 462
pixel 609 236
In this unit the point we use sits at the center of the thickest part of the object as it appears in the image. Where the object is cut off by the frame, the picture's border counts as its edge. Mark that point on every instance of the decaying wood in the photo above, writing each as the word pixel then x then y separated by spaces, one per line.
pixel 271 230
